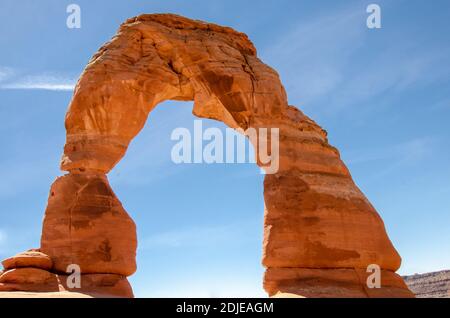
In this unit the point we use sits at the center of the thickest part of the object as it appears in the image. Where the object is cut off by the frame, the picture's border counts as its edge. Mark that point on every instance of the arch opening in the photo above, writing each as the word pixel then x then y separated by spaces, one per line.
pixel 199 226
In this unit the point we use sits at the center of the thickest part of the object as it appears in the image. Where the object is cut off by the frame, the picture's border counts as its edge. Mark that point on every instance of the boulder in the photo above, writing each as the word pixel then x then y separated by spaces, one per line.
pixel 31 258
pixel 86 225
pixel 28 279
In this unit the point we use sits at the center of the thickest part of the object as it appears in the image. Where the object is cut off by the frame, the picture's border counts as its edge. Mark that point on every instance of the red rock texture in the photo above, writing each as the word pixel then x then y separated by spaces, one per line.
pixel 85 224
pixel 31 258
pixel 332 283
pixel 28 276
pixel 100 285
pixel 39 280
pixel 58 294
pixel 320 231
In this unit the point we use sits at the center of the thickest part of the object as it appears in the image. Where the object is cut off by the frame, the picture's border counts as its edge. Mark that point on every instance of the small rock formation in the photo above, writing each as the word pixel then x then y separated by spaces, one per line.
pixel 85 224
pixel 320 231
pixel 31 258
pixel 34 271
pixel 430 285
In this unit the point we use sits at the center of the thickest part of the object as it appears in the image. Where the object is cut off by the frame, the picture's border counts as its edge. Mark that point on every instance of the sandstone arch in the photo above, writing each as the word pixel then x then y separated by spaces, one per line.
pixel 320 232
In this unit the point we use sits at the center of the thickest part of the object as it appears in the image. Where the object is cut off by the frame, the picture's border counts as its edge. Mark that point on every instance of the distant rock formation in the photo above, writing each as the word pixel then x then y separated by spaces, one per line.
pixel 430 285
pixel 320 231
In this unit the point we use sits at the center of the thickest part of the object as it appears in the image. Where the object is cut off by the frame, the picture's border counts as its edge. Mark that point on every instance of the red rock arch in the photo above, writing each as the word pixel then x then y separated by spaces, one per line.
pixel 320 232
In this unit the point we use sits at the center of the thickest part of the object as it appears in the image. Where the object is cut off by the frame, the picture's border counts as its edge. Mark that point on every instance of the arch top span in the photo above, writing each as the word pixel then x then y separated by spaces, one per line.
pixel 157 57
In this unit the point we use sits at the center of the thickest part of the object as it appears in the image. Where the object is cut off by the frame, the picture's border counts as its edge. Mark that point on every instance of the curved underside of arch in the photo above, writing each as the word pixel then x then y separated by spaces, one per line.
pixel 320 231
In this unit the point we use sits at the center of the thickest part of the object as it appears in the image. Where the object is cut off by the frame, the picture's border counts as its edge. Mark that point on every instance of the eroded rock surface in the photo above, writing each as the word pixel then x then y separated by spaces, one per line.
pixel 31 258
pixel 23 275
pixel 320 231
pixel 334 282
pixel 85 224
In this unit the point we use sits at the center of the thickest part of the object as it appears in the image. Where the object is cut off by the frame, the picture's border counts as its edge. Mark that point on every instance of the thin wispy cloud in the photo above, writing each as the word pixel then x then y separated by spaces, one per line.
pixel 311 58
pixel 409 151
pixel 325 67
pixel 394 71
pixel 394 158
pixel 13 79
pixel 42 82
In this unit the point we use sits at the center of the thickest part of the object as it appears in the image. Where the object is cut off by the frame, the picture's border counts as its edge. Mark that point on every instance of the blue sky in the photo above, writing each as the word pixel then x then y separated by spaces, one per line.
pixel 383 96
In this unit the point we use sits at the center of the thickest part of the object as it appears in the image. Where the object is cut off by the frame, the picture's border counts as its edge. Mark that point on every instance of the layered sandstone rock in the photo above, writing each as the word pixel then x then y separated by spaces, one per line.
pixel 320 232
pixel 28 278
pixel 31 258
pixel 85 224
pixel 42 281
pixel 334 282
pixel 100 285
